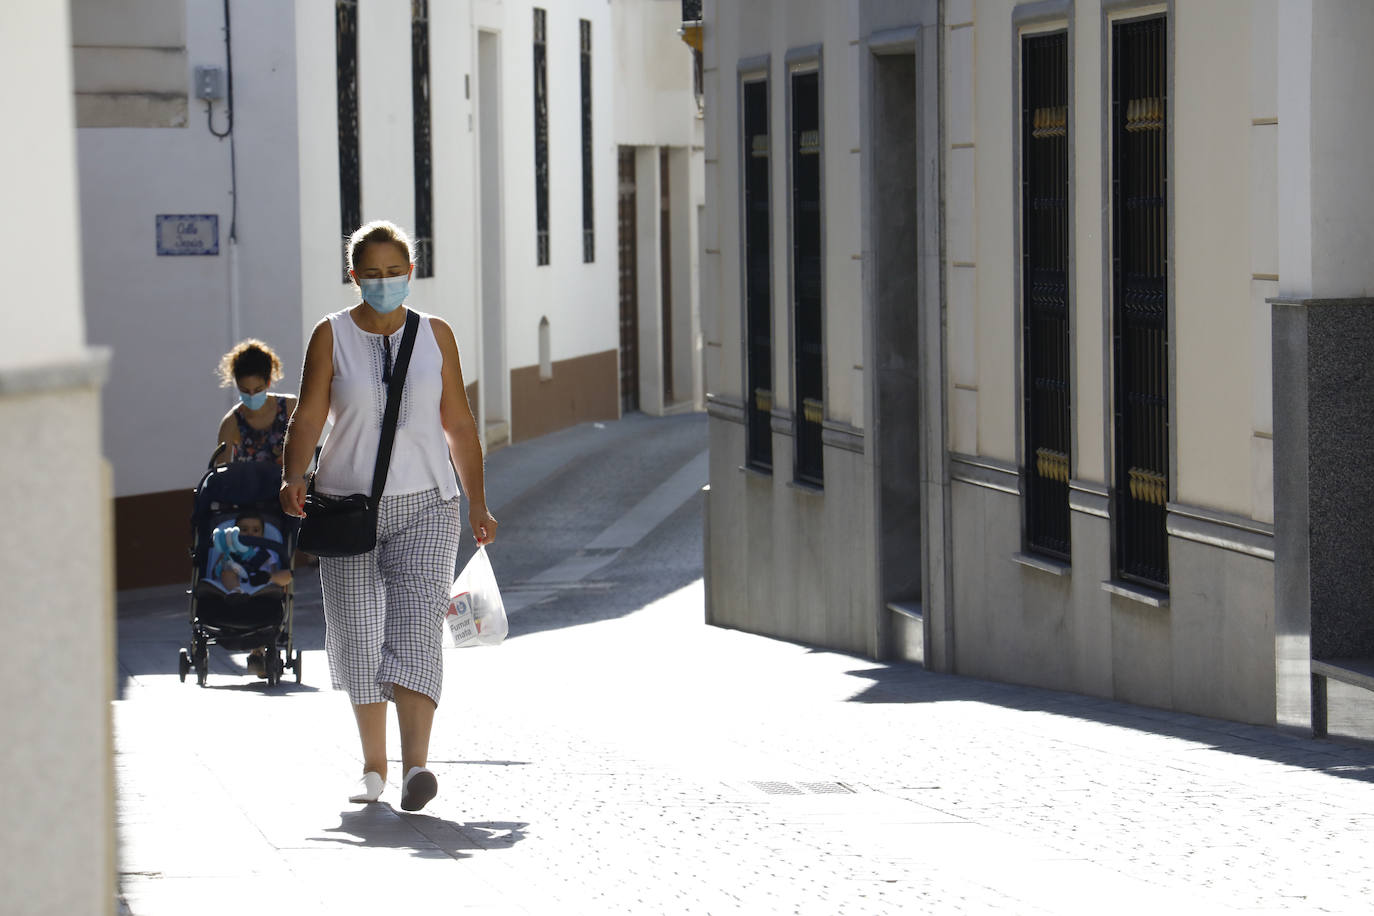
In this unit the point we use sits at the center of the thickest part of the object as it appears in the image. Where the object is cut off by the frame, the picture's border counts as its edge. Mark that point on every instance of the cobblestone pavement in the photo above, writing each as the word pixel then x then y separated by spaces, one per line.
pixel 617 756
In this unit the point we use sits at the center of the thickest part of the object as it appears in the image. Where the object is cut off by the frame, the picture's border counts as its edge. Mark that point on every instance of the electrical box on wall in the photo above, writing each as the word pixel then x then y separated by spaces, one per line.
pixel 209 82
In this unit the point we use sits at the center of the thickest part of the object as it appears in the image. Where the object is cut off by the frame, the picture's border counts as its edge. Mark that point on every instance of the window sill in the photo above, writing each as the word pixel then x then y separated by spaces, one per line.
pixel 803 486
pixel 1044 564
pixel 757 473
pixel 1141 593
pixel 912 610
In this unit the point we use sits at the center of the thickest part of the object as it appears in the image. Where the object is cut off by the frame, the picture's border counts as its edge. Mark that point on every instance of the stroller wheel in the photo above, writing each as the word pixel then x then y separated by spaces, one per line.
pixel 202 662
pixel 184 664
pixel 296 665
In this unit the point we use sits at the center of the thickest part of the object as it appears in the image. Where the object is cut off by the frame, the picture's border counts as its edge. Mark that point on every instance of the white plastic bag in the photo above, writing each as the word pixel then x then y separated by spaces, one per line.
pixel 476 614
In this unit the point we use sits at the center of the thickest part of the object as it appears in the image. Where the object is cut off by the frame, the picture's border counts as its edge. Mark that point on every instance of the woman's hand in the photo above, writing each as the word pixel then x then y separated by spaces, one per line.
pixel 483 525
pixel 292 497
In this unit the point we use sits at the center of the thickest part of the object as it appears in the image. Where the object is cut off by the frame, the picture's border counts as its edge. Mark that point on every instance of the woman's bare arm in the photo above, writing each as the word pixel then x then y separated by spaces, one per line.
pixel 228 433
pixel 308 419
pixel 460 431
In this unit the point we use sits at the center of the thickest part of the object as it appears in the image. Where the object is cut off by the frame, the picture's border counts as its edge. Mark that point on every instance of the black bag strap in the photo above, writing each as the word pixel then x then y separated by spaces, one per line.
pixel 393 405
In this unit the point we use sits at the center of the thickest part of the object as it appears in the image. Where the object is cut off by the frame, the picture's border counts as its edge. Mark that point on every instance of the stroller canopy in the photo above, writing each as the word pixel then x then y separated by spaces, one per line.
pixel 239 485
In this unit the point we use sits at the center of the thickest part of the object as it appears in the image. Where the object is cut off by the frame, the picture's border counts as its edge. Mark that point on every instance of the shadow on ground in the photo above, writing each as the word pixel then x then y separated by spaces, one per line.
pixel 380 825
pixel 910 683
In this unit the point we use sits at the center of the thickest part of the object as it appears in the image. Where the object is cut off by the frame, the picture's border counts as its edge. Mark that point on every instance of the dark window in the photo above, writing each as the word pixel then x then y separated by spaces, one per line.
pixel 541 137
pixel 665 270
pixel 758 280
pixel 698 78
pixel 629 283
pixel 588 224
pixel 806 275
pixel 424 172
pixel 1045 289
pixel 346 82
pixel 1140 299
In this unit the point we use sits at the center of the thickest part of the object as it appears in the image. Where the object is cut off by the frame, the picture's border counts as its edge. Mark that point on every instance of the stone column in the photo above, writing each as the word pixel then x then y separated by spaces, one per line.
pixel 1323 338
pixel 57 848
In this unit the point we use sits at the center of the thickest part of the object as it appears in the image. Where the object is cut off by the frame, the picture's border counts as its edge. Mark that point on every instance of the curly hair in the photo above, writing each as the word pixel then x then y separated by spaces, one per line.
pixel 379 230
pixel 249 357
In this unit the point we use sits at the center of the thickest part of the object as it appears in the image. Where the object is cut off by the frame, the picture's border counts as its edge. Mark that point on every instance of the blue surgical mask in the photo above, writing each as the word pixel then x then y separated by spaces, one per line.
pixel 253 401
pixel 387 294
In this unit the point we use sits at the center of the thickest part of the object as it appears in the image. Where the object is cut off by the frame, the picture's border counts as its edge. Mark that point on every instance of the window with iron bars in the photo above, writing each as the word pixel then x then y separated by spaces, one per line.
pixel 424 172
pixel 588 221
pixel 346 83
pixel 806 278
pixel 1140 327
pixel 1045 290
pixel 541 137
pixel 758 276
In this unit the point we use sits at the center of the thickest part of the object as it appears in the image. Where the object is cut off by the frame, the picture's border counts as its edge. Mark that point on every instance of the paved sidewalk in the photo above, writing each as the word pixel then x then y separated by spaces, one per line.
pixel 650 764
pixel 617 759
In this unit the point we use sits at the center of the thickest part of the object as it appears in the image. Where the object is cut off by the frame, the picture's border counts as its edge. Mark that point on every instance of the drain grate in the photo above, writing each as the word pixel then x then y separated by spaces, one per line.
pixel 827 788
pixel 777 787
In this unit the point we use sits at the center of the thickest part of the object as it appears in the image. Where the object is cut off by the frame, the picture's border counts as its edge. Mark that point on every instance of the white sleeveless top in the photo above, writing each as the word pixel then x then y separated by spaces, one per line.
pixel 357 401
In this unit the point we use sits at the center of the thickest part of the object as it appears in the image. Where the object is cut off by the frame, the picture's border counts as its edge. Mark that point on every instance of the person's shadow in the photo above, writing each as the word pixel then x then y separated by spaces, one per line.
pixel 380 825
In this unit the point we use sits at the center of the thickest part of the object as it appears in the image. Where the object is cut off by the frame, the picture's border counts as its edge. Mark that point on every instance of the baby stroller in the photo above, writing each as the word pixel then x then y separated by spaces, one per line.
pixel 240 621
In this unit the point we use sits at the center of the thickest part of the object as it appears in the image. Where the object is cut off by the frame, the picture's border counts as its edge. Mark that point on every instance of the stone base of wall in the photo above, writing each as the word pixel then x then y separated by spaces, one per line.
pixel 790 561
pixel 153 538
pixel 580 390
pixel 1205 648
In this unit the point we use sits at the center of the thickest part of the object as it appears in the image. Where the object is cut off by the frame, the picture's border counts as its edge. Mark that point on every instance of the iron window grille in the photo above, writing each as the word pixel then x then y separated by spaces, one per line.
pixel 758 279
pixel 807 278
pixel 665 270
pixel 541 137
pixel 629 282
pixel 588 222
pixel 346 82
pixel 1140 265
pixel 1045 290
pixel 420 109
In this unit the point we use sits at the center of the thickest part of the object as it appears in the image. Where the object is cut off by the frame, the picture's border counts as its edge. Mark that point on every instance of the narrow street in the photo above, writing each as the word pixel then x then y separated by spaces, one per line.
pixel 616 755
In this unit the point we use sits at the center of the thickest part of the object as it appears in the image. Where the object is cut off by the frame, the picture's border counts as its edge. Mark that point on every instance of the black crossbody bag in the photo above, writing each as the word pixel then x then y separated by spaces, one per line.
pixel 345 526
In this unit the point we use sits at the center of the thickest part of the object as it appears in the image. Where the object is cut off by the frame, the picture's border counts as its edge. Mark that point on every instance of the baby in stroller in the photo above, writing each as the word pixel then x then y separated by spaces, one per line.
pixel 238 567
pixel 241 593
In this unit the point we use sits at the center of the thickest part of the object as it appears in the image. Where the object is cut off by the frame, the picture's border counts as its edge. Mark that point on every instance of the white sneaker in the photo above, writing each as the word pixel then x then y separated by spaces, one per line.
pixel 369 788
pixel 419 786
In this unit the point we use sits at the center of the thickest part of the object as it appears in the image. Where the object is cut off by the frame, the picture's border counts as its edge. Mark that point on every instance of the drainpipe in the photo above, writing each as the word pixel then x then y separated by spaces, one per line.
pixel 235 331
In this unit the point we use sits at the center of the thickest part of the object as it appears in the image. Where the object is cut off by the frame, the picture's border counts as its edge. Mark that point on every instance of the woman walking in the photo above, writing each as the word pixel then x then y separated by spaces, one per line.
pixel 384 609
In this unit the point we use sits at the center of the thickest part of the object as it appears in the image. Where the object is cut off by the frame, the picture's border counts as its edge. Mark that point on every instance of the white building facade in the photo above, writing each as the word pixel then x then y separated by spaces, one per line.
pixel 488 129
pixel 1090 401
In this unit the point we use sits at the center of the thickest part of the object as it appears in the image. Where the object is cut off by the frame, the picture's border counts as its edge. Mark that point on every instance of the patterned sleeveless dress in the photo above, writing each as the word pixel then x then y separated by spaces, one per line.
pixel 262 444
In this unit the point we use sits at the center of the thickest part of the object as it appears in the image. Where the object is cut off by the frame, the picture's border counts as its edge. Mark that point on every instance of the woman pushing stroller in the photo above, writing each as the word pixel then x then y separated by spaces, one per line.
pixel 384 609
pixel 253 430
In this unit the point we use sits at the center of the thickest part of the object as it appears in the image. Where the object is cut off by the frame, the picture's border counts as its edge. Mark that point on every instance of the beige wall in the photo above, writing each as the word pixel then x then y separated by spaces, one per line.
pixel 1224 256
pixel 998 339
pixel 835 25
pixel 1212 334
pixel 1207 648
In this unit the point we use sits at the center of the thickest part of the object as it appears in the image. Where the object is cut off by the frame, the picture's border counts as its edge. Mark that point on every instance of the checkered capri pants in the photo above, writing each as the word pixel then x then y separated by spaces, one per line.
pixel 384 609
